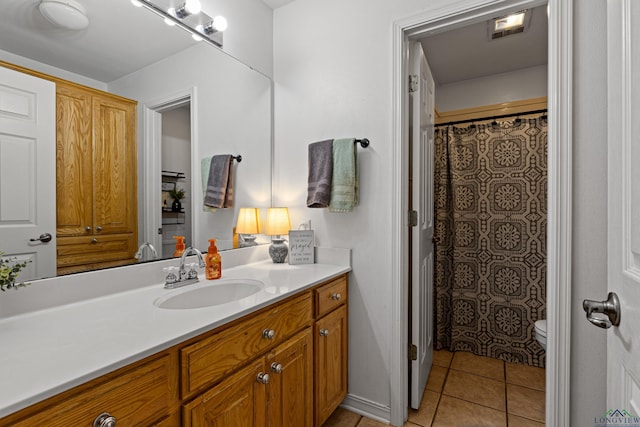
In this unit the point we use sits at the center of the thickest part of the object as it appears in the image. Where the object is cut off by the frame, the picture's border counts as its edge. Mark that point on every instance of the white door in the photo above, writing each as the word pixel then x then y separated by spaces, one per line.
pixel 422 117
pixel 623 341
pixel 28 172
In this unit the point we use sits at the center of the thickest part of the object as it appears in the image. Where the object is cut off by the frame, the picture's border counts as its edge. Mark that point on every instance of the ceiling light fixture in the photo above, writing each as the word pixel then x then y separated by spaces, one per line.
pixel 510 24
pixel 67 14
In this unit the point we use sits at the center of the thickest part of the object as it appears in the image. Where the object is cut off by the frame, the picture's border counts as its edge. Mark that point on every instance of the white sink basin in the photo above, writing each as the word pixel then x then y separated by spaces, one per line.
pixel 201 295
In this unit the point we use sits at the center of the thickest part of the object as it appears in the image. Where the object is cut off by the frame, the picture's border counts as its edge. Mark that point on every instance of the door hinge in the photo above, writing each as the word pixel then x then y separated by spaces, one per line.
pixel 413 352
pixel 414 83
pixel 159 230
pixel 413 218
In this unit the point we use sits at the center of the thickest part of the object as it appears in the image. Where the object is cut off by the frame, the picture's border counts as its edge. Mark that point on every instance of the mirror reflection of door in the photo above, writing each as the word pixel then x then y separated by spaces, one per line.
pixel 176 173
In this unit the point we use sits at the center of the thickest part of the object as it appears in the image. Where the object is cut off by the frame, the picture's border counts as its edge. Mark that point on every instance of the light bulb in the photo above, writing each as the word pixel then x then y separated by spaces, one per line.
pixel 136 3
pixel 171 11
pixel 219 23
pixel 193 6
pixel 196 37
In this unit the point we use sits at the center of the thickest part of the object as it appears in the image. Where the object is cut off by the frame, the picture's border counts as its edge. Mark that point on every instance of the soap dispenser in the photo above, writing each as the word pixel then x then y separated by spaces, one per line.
pixel 214 261
pixel 179 246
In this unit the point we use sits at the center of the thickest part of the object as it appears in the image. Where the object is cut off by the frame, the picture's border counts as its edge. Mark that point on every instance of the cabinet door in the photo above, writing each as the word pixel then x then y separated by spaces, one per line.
pixel 331 337
pixel 290 398
pixel 114 166
pixel 74 187
pixel 238 401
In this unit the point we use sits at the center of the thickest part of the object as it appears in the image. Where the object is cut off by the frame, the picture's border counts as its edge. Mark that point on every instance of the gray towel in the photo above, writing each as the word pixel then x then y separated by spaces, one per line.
pixel 320 172
pixel 220 183
pixel 344 185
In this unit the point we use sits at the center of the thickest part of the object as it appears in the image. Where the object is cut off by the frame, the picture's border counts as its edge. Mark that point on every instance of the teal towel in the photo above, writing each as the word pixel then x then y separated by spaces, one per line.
pixel 205 165
pixel 344 183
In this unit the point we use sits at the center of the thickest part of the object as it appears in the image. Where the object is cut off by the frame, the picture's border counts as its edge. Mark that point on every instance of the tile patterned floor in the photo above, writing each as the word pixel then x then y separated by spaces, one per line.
pixel 469 390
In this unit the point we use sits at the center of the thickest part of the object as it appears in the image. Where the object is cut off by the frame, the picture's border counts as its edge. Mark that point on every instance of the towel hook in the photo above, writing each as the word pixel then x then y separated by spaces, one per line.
pixel 238 158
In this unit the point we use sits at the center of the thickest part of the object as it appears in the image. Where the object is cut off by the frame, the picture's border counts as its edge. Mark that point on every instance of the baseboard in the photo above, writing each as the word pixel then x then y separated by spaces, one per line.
pixel 367 408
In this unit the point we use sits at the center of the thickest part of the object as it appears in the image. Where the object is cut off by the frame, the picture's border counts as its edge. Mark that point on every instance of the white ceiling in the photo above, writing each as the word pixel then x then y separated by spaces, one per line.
pixel 122 38
pixel 468 52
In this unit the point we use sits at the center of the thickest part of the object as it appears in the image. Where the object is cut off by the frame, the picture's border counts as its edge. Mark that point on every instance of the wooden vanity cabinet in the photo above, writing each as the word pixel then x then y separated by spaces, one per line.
pixel 330 346
pixel 283 366
pixel 96 180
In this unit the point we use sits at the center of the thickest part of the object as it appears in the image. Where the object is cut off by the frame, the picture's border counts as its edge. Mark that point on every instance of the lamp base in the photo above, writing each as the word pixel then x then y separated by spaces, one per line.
pixel 278 250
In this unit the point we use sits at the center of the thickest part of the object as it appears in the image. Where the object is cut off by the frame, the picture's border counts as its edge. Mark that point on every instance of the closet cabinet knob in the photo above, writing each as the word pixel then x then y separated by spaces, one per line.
pixel 324 332
pixel 276 368
pixel 336 296
pixel 87 228
pixel 94 240
pixel 99 228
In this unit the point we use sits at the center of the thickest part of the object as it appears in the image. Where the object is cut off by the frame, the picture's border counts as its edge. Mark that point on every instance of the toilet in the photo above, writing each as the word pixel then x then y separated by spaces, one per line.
pixel 541 332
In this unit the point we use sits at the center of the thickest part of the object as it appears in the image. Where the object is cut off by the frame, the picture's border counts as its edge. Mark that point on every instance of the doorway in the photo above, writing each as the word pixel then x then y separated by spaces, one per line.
pixel 558 271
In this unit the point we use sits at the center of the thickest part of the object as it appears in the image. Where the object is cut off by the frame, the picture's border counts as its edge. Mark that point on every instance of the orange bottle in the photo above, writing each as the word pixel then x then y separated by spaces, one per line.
pixel 213 269
pixel 179 246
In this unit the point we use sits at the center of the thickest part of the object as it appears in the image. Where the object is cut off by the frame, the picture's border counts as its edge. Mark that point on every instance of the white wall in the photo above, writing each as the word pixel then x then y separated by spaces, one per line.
pixel 250 34
pixel 334 81
pixel 505 87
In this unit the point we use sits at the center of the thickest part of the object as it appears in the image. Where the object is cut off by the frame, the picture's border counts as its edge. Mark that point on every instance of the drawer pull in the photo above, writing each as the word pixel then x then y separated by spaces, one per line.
pixel 94 240
pixel 263 378
pixel 324 332
pixel 336 296
pixel 268 334
pixel 99 228
pixel 276 368
pixel 104 420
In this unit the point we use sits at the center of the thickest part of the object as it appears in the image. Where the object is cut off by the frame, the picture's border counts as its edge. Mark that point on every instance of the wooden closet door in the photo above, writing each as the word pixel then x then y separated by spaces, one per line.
pixel 115 166
pixel 73 162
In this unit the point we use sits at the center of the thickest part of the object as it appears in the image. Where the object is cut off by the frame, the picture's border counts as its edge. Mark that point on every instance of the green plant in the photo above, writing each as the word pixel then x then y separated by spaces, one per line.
pixel 177 193
pixel 9 272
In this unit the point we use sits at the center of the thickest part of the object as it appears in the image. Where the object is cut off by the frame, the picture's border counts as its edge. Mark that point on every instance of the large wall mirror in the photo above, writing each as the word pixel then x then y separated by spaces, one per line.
pixel 194 101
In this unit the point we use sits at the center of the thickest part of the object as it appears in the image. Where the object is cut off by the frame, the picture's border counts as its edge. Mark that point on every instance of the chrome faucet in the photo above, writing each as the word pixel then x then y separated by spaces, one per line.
pixel 140 254
pixel 185 277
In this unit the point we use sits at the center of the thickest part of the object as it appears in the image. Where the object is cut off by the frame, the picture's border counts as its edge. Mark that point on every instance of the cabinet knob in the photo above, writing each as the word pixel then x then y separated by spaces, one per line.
pixel 276 368
pixel 94 240
pixel 336 296
pixel 324 332
pixel 263 378
pixel 104 420
pixel 87 229
pixel 99 228
pixel 268 334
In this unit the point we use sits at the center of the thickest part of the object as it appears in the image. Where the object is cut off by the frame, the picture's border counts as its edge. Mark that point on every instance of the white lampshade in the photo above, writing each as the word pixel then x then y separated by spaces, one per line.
pixel 277 222
pixel 249 221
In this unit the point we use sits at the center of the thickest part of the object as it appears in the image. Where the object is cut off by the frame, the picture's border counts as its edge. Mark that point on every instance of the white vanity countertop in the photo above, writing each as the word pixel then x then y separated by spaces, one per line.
pixel 49 351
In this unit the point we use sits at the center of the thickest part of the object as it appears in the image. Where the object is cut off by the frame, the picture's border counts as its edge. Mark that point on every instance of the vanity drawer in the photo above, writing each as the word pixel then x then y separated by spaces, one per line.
pixel 331 295
pixel 210 359
pixel 139 396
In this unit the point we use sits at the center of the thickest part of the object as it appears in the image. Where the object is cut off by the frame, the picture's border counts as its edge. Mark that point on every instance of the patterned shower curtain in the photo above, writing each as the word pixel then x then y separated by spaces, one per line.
pixel 490 234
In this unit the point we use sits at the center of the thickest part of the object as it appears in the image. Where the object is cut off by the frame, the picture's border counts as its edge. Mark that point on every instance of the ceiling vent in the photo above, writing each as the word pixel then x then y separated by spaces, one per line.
pixel 511 24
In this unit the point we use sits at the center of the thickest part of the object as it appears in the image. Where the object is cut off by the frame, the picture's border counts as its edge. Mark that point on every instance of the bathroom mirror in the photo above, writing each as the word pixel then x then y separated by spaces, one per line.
pixel 219 104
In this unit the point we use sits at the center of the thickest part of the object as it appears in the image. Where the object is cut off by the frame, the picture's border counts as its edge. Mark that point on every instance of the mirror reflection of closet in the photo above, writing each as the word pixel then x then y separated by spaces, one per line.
pixel 176 172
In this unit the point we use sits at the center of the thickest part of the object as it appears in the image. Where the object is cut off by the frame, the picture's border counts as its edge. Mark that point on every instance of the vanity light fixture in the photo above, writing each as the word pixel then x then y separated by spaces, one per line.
pixel 278 224
pixel 68 14
pixel 248 225
pixel 189 7
pixel 136 3
pixel 219 23
pixel 174 16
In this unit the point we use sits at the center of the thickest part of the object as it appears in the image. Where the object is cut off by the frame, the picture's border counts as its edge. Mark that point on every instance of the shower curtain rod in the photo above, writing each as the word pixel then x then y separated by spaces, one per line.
pixel 526 113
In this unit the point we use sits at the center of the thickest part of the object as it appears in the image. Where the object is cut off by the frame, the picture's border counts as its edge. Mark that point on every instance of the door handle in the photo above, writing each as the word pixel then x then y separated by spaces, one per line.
pixel 44 238
pixel 610 307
